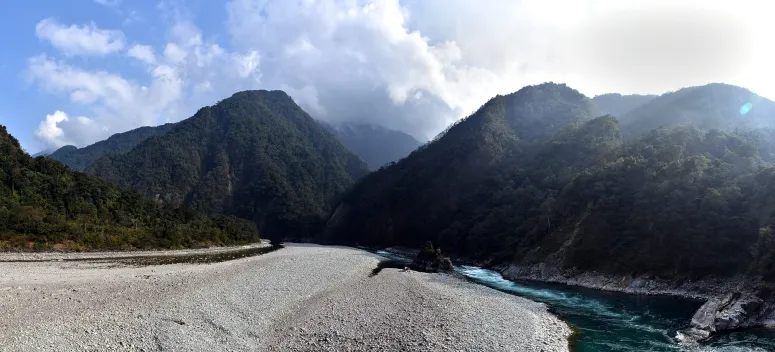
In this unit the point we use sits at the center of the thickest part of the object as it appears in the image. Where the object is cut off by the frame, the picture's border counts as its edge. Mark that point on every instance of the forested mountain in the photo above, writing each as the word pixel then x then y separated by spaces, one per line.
pixel 255 155
pixel 43 205
pixel 712 106
pixel 617 104
pixel 436 192
pixel 79 159
pixel 375 145
pixel 532 178
pixel 43 152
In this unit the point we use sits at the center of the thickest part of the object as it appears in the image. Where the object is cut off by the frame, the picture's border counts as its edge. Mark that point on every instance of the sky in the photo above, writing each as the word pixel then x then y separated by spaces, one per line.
pixel 76 72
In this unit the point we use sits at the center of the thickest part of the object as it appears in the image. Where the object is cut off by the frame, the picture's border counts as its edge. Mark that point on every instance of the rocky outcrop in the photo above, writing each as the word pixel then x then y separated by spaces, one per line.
pixel 737 310
pixel 430 260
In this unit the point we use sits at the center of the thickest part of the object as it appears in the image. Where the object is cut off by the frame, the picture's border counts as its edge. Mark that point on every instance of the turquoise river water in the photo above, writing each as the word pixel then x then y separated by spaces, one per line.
pixel 613 321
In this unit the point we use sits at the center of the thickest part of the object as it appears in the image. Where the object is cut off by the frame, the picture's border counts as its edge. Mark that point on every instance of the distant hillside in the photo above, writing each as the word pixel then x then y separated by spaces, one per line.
pixel 535 180
pixel 78 159
pixel 256 155
pixel 45 206
pixel 375 145
pixel 43 152
pixel 617 105
pixel 712 106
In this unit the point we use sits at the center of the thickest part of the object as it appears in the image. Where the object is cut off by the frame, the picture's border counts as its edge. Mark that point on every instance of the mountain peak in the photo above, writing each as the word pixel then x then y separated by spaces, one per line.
pixel 256 155
pixel 262 93
pixel 556 89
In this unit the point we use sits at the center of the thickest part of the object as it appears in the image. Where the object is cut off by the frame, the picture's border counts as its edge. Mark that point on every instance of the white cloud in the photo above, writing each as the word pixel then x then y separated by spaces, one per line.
pixel 116 103
pixel 191 73
pixel 143 53
pixel 58 129
pixel 361 61
pixel 80 40
pixel 174 53
pixel 417 66
pixel 49 132
pixel 247 64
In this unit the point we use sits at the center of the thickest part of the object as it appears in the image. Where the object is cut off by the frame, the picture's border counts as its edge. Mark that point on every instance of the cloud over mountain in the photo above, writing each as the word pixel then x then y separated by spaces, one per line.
pixel 409 66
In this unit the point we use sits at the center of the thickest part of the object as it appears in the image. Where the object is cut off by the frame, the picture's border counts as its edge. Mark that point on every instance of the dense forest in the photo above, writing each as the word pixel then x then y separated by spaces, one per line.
pixel 256 155
pixel 44 205
pixel 375 145
pixel 78 159
pixel 534 177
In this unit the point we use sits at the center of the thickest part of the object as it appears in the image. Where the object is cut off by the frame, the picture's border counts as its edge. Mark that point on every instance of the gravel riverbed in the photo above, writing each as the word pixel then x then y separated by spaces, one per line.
pixel 300 298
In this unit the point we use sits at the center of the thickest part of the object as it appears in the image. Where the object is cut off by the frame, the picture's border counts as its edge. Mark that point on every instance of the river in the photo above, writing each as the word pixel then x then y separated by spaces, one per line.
pixel 614 321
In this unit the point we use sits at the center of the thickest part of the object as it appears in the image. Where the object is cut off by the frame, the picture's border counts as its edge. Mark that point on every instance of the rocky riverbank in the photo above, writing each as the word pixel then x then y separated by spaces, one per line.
pixel 301 298
pixel 730 303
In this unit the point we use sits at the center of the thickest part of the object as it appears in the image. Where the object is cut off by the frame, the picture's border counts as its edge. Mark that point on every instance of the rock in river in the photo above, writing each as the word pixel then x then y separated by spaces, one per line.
pixel 737 310
pixel 430 260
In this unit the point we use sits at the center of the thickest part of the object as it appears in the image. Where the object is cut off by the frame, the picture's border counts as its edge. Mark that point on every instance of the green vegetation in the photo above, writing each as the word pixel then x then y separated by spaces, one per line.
pixel 375 145
pixel 79 159
pixel 532 177
pixel 255 155
pixel 44 205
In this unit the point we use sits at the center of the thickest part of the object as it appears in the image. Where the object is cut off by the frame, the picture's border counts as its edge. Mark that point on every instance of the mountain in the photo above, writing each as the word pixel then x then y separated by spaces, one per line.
pixel 441 191
pixel 43 152
pixel 44 205
pixel 617 105
pixel 255 155
pixel 712 106
pixel 79 159
pixel 533 181
pixel 374 144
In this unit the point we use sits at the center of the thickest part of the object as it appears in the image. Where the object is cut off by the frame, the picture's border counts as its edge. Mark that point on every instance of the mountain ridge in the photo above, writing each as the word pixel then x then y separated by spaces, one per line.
pixel 712 106
pixel 577 177
pixel 255 155
pixel 79 159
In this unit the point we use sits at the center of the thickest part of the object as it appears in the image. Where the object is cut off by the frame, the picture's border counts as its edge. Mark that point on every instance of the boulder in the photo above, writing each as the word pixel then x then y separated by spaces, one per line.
pixel 738 310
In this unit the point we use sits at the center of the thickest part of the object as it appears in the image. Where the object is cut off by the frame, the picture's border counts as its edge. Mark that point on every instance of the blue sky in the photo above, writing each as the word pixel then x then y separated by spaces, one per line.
pixel 23 104
pixel 76 72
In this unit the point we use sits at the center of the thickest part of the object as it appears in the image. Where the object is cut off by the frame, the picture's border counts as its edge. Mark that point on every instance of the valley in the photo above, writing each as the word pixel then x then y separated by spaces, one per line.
pixel 387 175
pixel 534 185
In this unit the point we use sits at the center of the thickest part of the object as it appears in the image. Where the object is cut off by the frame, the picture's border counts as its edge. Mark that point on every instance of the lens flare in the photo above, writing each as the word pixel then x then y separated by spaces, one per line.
pixel 745 108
